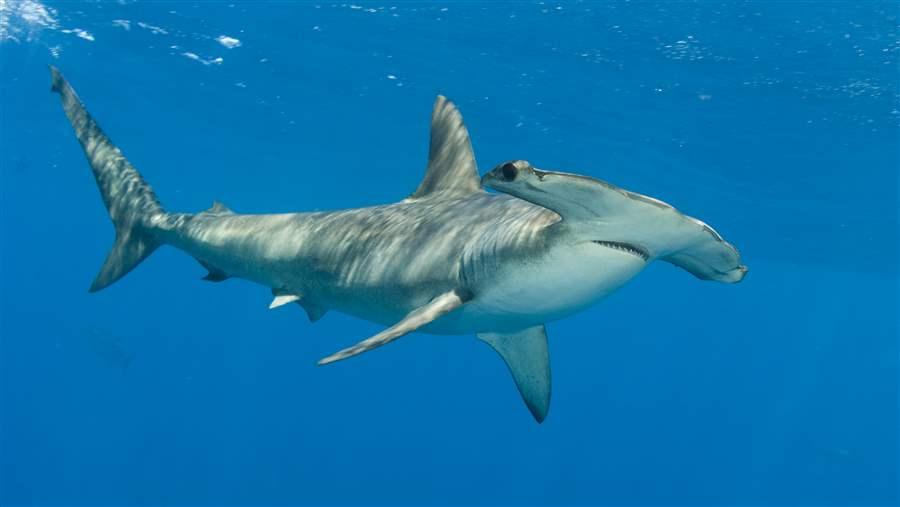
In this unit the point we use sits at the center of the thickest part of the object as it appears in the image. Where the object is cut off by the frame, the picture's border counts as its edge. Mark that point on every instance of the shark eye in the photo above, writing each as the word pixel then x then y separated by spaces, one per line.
pixel 509 171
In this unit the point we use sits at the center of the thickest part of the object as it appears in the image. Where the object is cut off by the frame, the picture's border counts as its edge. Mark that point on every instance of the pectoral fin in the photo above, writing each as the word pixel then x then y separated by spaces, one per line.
pixel 438 307
pixel 528 357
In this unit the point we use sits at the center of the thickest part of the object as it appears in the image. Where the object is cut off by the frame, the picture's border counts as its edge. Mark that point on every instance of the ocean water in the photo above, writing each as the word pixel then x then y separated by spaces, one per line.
pixel 776 122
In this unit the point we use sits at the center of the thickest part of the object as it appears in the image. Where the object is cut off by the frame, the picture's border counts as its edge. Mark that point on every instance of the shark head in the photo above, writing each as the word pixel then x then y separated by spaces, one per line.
pixel 596 211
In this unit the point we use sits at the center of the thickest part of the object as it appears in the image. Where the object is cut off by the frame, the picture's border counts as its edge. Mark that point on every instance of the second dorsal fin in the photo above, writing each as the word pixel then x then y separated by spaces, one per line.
pixel 219 209
pixel 451 163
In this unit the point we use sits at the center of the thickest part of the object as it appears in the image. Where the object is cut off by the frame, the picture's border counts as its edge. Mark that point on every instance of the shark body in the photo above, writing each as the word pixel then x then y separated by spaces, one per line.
pixel 449 259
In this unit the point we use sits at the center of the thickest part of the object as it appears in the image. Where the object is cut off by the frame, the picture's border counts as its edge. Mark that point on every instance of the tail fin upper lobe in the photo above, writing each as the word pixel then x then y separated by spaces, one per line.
pixel 132 205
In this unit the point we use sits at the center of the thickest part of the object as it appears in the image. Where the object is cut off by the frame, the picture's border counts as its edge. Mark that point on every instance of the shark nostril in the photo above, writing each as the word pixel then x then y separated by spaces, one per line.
pixel 509 171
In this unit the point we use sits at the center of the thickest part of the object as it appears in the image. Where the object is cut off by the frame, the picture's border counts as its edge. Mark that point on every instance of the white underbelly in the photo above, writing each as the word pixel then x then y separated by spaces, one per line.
pixel 566 280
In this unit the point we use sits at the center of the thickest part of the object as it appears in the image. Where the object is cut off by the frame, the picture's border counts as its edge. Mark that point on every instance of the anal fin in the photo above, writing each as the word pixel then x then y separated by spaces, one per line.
pixel 215 274
pixel 527 356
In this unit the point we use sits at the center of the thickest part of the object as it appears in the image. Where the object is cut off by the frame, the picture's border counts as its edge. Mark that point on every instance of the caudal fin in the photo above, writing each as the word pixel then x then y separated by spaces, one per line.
pixel 132 205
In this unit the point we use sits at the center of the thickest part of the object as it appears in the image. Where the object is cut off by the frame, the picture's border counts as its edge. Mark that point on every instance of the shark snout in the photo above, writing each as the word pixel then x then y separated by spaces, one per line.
pixel 738 273
pixel 731 276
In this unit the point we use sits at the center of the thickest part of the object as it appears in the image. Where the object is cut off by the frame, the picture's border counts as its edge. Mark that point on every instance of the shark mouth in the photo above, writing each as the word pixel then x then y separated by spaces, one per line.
pixel 625 247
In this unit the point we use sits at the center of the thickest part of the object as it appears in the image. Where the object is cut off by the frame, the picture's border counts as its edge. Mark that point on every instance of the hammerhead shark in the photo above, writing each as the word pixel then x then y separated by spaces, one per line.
pixel 451 258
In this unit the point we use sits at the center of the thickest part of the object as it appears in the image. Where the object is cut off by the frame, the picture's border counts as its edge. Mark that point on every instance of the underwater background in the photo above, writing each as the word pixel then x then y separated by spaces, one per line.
pixel 776 122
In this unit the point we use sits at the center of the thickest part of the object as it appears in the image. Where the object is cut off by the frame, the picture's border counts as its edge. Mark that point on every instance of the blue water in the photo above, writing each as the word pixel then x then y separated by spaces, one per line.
pixel 776 122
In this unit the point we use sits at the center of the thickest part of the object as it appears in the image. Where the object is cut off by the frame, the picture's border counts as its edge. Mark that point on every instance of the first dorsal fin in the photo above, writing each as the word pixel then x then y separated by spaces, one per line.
pixel 451 163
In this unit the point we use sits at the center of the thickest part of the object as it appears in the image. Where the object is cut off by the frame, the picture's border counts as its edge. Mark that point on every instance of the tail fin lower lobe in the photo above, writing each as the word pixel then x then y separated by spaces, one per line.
pixel 132 205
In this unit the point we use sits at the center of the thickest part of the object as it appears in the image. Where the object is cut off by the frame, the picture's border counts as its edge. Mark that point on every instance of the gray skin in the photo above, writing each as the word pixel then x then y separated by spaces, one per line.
pixel 377 263
pixel 449 259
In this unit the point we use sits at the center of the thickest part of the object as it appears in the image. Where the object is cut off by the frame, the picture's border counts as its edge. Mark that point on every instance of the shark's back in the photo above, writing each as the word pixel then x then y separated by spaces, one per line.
pixel 424 240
